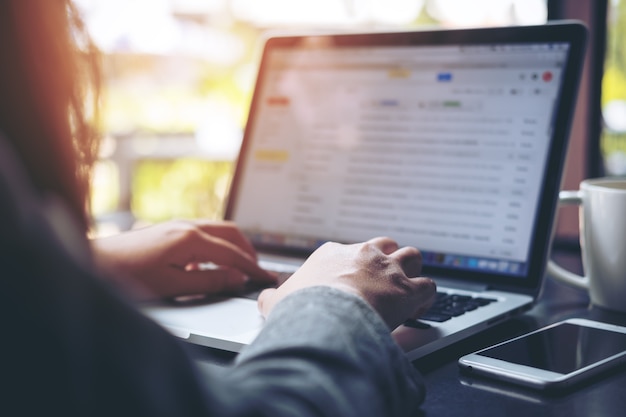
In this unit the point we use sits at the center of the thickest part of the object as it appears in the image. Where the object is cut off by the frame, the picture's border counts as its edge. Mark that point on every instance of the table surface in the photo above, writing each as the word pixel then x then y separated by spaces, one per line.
pixel 451 393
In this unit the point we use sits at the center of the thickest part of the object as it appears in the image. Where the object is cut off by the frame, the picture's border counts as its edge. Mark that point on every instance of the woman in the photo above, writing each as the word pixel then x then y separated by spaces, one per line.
pixel 74 347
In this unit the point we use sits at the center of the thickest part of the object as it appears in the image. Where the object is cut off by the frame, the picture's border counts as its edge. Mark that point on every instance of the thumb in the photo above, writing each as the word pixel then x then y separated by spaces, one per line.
pixel 266 301
pixel 204 282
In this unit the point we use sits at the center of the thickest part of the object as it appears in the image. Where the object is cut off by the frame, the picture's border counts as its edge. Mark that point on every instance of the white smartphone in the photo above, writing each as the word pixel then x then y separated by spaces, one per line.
pixel 553 357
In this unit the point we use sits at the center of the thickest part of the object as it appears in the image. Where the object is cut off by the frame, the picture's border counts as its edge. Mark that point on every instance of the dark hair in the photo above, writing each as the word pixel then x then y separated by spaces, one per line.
pixel 48 70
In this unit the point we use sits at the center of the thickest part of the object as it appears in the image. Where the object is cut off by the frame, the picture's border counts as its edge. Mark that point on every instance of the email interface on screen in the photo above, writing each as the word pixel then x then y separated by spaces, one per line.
pixel 442 148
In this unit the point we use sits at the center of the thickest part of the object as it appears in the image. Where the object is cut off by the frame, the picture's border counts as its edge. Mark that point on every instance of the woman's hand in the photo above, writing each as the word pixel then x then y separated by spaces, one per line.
pixel 385 275
pixel 181 258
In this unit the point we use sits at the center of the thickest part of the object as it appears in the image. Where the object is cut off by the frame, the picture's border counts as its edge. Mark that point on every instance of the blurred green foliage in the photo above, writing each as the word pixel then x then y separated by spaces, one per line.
pixel 181 188
pixel 614 80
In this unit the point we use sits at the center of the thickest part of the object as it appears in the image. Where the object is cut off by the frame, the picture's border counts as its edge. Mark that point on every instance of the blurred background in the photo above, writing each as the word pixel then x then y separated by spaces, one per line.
pixel 179 76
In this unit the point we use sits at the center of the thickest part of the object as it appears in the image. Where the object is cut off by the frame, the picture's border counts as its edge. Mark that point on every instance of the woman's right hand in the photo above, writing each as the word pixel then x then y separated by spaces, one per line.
pixel 379 271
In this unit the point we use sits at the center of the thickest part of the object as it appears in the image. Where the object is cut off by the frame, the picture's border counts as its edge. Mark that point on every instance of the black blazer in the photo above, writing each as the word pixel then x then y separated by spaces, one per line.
pixel 71 346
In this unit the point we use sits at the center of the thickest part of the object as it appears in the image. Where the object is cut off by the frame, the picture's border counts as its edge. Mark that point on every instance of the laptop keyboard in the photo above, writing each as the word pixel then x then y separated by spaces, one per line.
pixel 447 306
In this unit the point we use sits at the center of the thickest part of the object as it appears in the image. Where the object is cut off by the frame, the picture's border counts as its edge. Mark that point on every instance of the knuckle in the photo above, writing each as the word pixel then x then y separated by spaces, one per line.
pixel 429 283
pixel 379 263
pixel 426 287
pixel 401 282
pixel 329 247
pixel 368 248
pixel 185 230
pixel 416 253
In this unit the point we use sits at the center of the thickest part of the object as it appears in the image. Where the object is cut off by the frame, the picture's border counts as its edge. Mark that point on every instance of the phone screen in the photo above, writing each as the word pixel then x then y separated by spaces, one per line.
pixel 563 348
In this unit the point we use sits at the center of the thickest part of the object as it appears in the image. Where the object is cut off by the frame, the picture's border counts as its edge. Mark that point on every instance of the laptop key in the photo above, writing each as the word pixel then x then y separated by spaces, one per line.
pixel 453 311
pixel 417 324
pixel 447 306
pixel 471 306
pixel 484 301
pixel 437 317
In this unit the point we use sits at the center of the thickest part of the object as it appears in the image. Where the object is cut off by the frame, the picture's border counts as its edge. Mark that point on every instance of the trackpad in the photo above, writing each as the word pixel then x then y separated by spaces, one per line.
pixel 231 318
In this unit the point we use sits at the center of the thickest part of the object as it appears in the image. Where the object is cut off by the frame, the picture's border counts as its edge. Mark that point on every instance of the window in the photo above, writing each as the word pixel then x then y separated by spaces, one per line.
pixel 179 77
pixel 613 140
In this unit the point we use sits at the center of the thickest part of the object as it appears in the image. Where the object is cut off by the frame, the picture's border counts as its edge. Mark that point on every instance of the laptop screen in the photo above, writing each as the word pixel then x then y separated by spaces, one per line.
pixel 442 147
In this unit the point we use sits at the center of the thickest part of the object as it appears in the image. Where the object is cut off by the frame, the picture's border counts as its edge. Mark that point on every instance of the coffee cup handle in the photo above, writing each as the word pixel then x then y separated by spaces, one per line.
pixel 556 271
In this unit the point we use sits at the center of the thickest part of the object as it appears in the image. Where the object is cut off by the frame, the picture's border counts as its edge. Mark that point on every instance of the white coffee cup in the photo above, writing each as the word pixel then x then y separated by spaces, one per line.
pixel 602 239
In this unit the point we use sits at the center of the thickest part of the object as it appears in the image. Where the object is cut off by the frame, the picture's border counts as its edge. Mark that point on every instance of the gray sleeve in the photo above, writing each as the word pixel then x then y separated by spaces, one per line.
pixel 326 352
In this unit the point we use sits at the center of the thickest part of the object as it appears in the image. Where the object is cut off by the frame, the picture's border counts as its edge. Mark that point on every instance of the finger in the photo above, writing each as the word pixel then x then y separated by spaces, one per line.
pixel 411 260
pixel 225 253
pixel 385 244
pixel 205 266
pixel 425 294
pixel 265 301
pixel 227 231
pixel 202 282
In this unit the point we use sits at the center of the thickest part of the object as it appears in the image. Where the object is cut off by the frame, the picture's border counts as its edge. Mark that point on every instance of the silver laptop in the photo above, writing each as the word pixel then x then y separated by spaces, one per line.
pixel 452 141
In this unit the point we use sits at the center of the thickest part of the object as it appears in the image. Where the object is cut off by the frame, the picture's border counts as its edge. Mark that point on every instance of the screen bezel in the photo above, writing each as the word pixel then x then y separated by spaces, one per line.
pixel 573 33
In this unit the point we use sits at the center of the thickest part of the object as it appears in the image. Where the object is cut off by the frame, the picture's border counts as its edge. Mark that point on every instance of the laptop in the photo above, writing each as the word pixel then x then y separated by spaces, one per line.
pixel 452 141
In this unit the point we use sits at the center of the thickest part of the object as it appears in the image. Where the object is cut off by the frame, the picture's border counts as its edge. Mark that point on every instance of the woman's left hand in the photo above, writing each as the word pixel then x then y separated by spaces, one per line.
pixel 178 258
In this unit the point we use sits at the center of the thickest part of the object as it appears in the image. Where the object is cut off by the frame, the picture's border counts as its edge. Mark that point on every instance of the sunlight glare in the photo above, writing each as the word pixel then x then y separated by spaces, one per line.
pixel 464 13
pixel 530 12
pixel 137 25
pixel 395 12
pixel 288 12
